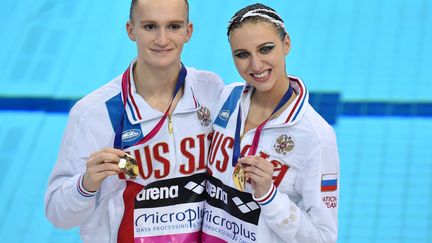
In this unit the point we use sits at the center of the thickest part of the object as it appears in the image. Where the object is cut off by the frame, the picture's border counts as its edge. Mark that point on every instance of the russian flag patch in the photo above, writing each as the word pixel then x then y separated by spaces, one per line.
pixel 329 182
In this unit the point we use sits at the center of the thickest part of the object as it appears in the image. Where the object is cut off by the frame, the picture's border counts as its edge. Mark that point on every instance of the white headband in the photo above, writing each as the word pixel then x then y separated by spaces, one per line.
pixel 254 13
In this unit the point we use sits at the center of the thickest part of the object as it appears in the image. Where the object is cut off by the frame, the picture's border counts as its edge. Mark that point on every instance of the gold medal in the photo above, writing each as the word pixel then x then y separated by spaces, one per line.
pixel 239 177
pixel 129 166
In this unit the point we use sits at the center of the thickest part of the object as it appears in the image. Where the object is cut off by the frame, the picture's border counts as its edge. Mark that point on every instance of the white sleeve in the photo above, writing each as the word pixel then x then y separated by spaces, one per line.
pixel 67 203
pixel 318 222
pixel 217 91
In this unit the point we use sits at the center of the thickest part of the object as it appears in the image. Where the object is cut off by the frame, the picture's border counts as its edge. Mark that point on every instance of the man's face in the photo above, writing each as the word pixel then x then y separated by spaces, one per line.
pixel 160 29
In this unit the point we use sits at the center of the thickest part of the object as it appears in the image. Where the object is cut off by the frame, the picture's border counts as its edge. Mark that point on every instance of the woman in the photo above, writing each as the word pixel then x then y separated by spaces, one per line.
pixel 273 161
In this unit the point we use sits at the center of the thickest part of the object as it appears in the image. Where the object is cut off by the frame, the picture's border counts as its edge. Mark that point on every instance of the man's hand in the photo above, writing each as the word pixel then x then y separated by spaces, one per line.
pixel 101 165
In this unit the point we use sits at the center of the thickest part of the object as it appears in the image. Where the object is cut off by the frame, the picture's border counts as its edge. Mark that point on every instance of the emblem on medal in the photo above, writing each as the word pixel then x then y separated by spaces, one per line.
pixel 284 144
pixel 204 116
pixel 239 177
pixel 129 166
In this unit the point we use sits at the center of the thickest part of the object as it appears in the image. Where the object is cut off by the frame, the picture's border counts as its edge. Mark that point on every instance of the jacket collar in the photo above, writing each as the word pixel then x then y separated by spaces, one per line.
pixel 292 114
pixel 138 110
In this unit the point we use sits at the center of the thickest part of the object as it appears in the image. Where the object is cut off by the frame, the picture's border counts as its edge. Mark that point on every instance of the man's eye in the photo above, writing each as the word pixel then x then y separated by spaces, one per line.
pixel 241 54
pixel 150 27
pixel 174 27
pixel 266 49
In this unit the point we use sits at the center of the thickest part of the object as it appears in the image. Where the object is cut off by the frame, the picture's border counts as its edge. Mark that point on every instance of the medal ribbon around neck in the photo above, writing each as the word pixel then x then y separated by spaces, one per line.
pixel 255 141
pixel 126 82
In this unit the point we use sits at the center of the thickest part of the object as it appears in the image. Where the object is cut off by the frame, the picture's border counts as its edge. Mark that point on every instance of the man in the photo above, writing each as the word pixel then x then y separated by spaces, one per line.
pixel 159 112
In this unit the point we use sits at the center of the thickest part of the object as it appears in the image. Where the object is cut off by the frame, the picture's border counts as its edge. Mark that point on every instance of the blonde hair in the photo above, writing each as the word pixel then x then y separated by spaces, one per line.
pixel 134 2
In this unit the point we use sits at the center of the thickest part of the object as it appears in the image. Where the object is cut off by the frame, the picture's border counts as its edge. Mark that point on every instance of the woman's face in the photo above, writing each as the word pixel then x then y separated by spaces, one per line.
pixel 259 54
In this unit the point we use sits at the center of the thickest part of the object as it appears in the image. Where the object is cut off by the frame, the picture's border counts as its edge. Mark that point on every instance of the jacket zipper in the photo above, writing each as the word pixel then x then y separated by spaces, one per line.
pixel 170 125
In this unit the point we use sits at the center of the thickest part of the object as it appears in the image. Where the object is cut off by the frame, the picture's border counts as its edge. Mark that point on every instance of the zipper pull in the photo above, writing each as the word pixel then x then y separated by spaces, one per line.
pixel 170 125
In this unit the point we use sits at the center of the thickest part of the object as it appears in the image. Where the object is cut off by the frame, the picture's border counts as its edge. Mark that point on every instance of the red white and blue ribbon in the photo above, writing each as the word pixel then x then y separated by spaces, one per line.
pixel 255 141
pixel 126 93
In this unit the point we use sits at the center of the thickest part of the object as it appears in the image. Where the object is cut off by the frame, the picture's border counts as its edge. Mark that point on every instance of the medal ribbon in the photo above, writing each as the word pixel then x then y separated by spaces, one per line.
pixel 255 141
pixel 126 230
pixel 125 86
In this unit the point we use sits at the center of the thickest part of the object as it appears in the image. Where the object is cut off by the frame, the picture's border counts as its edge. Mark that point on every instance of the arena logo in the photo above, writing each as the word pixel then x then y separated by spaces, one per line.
pixel 130 135
pixel 158 193
pixel 245 207
pixel 197 188
pixel 216 192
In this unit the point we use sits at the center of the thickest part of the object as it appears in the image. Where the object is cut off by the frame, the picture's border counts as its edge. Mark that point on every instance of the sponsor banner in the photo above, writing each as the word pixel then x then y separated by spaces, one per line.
pixel 172 192
pixel 219 226
pixel 189 238
pixel 211 239
pixel 229 214
pixel 236 203
pixel 170 210
pixel 168 221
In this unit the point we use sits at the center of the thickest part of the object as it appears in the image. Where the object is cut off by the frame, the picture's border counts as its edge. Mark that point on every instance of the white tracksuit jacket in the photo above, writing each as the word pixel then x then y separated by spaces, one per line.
pixel 165 201
pixel 302 204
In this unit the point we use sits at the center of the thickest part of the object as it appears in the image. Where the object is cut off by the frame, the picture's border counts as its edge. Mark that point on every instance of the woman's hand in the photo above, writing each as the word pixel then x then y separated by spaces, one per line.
pixel 260 173
pixel 100 165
